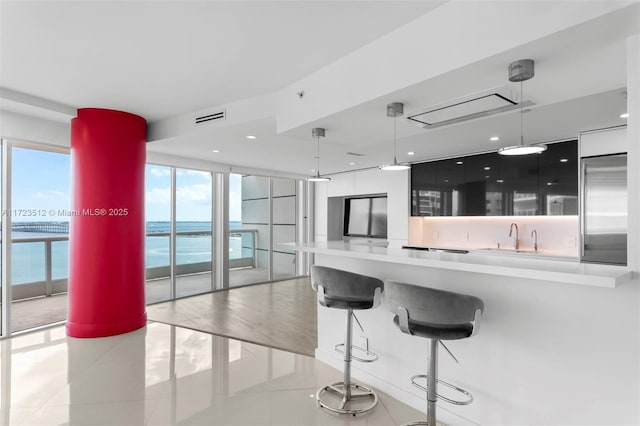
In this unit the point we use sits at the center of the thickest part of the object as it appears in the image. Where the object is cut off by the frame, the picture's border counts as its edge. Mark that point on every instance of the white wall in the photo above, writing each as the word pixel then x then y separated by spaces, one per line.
pixel 374 181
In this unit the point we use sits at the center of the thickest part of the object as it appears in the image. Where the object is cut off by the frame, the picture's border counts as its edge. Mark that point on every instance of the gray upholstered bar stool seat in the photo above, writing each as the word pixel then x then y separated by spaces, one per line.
pixel 339 289
pixel 436 315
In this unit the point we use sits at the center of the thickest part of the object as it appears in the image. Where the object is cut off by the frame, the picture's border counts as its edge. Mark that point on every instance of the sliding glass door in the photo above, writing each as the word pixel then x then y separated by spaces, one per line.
pixel 40 196
pixel 158 229
pixel 193 232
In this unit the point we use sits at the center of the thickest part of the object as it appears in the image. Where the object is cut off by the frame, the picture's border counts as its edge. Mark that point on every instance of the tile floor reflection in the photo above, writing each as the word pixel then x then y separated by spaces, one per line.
pixel 166 375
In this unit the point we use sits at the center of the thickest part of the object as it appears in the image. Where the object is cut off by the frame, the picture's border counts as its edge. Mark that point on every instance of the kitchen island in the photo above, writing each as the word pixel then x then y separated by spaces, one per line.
pixel 557 344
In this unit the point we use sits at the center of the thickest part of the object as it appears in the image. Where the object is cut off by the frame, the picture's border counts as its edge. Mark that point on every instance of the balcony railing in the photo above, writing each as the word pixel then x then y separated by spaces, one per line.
pixel 41 269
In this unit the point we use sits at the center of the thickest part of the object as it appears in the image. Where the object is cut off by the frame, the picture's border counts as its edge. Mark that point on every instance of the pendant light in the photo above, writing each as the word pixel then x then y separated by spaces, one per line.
pixel 394 110
pixel 520 71
pixel 318 132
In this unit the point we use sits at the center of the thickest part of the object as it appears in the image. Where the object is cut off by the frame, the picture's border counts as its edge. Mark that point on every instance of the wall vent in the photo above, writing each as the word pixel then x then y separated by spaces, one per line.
pixel 481 104
pixel 216 116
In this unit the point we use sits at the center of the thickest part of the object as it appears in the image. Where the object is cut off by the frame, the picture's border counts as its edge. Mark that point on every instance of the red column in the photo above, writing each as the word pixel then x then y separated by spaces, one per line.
pixel 107 226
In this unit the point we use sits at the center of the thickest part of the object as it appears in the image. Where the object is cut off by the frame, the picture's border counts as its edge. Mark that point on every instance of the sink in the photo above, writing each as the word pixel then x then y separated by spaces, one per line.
pixel 509 250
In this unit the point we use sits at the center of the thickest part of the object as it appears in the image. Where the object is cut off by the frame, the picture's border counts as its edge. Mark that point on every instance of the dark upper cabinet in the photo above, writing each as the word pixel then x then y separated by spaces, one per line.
pixel 496 185
pixel 450 179
pixel 558 179
pixel 425 197
pixel 519 176
pixel 483 185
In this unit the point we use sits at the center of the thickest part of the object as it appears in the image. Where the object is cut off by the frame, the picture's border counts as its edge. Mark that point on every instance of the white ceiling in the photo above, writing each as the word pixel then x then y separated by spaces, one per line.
pixel 162 59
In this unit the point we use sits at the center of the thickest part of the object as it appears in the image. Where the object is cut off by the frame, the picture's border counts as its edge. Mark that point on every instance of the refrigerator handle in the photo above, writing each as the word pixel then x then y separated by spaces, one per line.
pixel 583 202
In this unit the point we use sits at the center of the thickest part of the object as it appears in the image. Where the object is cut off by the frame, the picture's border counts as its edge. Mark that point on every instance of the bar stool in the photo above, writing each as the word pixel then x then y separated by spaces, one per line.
pixel 436 315
pixel 349 291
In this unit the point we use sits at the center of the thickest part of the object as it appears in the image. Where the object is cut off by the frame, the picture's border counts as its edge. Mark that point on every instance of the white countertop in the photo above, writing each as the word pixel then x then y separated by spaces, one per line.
pixel 569 271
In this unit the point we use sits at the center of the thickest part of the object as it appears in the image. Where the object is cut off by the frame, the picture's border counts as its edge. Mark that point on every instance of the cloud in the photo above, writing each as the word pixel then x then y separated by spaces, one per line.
pixel 197 192
pixel 206 175
pixel 158 196
pixel 160 171
pixel 51 195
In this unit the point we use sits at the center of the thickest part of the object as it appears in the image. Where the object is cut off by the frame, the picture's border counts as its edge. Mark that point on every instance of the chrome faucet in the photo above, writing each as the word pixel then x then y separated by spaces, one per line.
pixel 516 243
pixel 534 235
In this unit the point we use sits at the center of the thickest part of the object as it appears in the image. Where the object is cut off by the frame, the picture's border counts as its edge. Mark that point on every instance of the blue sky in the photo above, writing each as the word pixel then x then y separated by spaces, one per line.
pixel 41 180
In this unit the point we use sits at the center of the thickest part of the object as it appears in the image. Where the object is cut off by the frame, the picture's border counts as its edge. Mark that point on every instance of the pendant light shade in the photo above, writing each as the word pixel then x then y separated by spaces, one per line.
pixel 318 132
pixel 395 110
pixel 520 71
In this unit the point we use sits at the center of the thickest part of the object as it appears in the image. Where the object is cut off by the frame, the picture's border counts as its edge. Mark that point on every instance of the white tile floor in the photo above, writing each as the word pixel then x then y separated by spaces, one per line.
pixel 166 375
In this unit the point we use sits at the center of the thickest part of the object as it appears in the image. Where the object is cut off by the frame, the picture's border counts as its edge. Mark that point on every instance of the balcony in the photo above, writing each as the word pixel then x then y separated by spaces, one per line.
pixel 40 271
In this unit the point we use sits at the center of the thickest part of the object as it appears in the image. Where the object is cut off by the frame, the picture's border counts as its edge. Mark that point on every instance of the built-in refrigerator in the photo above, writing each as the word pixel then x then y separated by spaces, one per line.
pixel 604 209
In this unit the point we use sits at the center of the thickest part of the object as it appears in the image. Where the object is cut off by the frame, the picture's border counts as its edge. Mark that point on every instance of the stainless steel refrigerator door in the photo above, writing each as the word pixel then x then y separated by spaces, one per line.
pixel 604 209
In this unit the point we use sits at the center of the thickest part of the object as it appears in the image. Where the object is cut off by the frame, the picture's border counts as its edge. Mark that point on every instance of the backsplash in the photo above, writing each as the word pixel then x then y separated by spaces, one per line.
pixel 557 235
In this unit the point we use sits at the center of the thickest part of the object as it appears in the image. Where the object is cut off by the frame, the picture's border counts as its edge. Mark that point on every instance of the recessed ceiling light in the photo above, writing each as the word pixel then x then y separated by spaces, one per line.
pixel 549 183
pixel 216 150
pixel 563 160
pixel 625 115
pixel 313 170
pixel 487 168
pixel 250 137
pixel 499 180
pixel 459 162
pixel 352 163
pixel 411 153
pixel 494 138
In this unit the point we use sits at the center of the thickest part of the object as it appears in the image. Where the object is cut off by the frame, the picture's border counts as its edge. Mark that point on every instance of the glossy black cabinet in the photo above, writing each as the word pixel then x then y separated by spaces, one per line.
pixel 496 185
pixel 450 180
pixel 483 185
pixel 425 196
pixel 558 179
pixel 519 175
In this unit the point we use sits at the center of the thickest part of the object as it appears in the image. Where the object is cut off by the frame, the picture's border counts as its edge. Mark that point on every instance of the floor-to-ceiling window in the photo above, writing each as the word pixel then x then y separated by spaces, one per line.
pixel 193 232
pixel 180 205
pixel 178 258
pixel 2 208
pixel 158 229
pixel 40 186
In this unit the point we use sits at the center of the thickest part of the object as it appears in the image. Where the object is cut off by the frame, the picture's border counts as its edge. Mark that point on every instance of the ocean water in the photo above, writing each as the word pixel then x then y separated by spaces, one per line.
pixel 27 259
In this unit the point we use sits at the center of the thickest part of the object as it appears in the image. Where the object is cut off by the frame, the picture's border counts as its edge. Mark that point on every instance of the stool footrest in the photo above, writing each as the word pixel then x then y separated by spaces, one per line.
pixel 356 392
pixel 449 385
pixel 372 356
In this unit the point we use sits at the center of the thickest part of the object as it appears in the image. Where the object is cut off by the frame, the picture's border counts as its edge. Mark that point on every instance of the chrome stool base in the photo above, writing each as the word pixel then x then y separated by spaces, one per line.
pixel 347 397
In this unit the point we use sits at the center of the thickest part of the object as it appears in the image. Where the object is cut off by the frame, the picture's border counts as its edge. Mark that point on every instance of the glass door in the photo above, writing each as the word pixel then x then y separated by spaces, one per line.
pixel 194 253
pixel 158 233
pixel 40 211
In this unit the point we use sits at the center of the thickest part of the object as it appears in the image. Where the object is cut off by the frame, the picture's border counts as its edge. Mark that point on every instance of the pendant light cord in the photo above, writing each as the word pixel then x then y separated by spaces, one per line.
pixel 318 157
pixel 395 149
pixel 521 115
